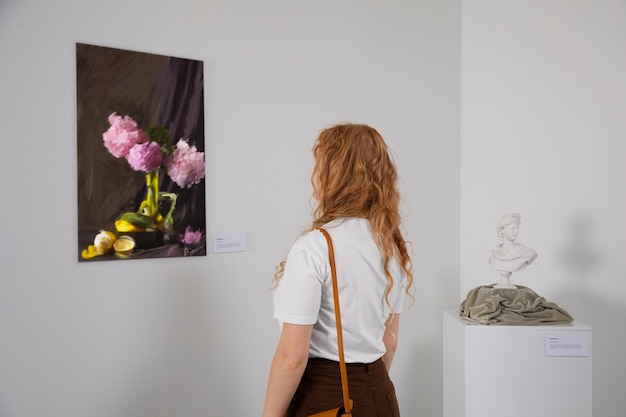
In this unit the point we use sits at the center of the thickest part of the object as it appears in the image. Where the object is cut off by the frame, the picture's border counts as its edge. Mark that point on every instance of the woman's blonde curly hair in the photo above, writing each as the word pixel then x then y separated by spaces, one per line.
pixel 355 176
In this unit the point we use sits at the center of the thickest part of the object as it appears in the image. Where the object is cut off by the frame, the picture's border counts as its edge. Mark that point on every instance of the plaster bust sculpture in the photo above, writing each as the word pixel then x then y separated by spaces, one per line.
pixel 509 256
pixel 504 303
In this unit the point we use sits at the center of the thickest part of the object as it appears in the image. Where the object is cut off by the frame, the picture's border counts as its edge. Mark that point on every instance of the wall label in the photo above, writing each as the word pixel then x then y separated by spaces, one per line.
pixel 229 242
pixel 567 346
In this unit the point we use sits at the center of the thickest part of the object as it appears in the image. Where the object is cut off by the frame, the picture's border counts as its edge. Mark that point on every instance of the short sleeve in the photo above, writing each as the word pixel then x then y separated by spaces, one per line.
pixel 298 296
pixel 398 304
pixel 398 294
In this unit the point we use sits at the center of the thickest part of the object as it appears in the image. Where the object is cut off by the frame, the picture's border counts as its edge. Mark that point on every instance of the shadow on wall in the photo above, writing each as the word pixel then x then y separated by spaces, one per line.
pixel 578 257
pixel 580 260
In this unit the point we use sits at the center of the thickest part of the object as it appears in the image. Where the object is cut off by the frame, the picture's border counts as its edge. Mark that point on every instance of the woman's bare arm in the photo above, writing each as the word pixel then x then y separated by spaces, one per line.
pixel 288 365
pixel 390 338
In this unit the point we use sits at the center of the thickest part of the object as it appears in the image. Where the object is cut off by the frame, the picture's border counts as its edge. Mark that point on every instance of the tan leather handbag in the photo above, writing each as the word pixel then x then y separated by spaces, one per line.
pixel 346 410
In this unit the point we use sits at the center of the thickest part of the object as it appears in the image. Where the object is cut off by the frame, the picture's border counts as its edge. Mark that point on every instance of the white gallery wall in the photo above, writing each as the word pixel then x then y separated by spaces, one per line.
pixel 489 105
pixel 195 337
pixel 543 133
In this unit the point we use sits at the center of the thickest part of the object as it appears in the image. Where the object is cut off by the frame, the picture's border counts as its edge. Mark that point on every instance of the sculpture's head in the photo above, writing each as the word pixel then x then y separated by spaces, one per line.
pixel 508 226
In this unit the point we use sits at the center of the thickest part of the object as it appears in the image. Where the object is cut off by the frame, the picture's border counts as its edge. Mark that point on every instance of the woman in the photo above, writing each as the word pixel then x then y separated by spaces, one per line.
pixel 354 184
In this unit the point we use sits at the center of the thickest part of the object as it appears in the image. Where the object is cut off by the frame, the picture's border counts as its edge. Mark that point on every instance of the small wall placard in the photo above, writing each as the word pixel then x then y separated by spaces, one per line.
pixel 567 346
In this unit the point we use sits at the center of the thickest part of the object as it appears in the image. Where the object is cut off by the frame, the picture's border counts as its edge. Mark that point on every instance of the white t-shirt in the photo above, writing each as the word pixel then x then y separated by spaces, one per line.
pixel 304 294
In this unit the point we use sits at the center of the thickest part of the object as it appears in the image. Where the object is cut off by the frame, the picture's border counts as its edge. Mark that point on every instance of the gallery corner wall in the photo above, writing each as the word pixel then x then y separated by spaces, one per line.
pixel 542 133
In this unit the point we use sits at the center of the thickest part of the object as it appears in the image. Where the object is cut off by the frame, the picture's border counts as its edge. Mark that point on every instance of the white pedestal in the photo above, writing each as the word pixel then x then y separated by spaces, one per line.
pixel 516 371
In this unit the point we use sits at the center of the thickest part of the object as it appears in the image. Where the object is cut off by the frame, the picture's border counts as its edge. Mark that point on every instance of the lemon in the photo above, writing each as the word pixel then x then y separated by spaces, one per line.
pixel 104 241
pixel 124 245
pixel 125 226
pixel 90 252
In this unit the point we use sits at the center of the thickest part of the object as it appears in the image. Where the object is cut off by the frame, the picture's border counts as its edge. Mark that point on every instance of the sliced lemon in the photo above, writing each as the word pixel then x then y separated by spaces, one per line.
pixel 124 245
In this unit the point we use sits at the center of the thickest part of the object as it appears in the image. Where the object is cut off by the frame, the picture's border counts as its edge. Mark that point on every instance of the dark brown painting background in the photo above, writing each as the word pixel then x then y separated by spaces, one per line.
pixel 153 90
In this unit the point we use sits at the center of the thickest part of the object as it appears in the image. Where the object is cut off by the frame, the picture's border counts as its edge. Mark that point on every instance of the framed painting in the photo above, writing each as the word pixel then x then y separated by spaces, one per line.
pixel 140 155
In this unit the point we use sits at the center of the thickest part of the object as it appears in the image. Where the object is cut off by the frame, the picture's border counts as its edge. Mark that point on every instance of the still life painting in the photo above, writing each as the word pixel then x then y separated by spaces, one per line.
pixel 140 155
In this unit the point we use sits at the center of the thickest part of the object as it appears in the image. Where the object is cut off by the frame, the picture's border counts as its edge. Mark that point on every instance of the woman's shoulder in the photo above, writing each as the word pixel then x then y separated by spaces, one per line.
pixel 311 240
pixel 356 226
pixel 338 229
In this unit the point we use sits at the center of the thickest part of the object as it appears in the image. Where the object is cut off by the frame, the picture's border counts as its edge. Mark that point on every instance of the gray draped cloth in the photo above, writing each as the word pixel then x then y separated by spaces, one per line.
pixel 507 306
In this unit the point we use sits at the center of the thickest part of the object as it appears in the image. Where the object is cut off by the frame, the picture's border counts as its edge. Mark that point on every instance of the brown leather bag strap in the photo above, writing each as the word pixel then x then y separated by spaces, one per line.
pixel 347 402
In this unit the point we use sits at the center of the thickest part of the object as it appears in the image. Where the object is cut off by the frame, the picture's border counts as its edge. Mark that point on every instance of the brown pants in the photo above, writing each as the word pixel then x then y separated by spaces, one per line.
pixel 370 388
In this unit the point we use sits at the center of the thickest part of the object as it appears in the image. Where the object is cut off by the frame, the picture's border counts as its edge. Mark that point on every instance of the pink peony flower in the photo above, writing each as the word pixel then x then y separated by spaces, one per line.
pixel 185 165
pixel 145 157
pixel 122 135
pixel 191 237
